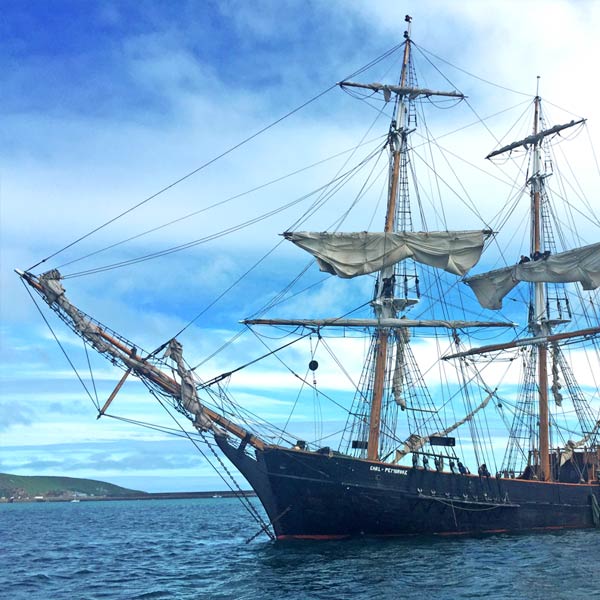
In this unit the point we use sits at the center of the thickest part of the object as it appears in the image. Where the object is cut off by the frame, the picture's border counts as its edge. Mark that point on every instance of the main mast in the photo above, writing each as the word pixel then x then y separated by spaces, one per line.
pixel 384 292
pixel 352 254
pixel 397 220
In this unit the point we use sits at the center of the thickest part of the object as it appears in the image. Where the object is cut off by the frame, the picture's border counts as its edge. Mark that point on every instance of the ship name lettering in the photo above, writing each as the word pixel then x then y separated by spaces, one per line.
pixel 387 470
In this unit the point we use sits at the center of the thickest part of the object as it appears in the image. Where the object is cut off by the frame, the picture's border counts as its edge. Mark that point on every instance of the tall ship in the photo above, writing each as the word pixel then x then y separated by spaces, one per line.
pixel 439 435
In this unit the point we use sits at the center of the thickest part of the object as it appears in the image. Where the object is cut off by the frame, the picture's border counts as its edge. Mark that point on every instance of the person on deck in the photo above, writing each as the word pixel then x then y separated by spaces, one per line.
pixel 483 471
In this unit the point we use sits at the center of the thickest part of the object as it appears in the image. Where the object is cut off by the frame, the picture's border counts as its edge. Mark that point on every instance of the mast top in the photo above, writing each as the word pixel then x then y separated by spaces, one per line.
pixel 408 20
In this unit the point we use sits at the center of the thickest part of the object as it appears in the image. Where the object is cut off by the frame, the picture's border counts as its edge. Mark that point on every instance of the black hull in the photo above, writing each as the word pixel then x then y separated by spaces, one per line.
pixel 311 495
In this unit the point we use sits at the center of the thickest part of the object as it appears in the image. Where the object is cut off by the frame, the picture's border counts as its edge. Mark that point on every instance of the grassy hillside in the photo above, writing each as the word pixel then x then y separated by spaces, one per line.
pixel 20 485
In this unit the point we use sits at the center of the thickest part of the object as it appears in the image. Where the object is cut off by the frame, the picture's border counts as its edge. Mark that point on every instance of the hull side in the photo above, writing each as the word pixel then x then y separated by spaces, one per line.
pixel 312 495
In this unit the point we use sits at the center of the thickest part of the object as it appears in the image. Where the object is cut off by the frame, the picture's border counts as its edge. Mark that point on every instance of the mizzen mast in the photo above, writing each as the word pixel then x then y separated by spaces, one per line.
pixel 540 324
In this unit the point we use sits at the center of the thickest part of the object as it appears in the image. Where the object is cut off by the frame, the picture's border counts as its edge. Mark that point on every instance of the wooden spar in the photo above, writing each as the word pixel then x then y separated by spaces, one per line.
pixel 170 386
pixel 376 402
pixel 146 370
pixel 383 334
pixel 536 225
pixel 391 211
pixel 391 323
pixel 544 474
pixel 540 306
pixel 401 90
pixel 555 337
pixel 114 393
pixel 534 139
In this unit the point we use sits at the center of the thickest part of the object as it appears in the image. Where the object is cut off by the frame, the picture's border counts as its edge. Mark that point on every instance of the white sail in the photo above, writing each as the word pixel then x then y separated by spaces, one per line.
pixel 189 393
pixel 350 254
pixel 580 264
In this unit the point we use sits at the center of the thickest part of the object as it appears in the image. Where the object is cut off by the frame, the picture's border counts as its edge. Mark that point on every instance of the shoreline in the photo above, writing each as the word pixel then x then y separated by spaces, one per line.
pixel 147 496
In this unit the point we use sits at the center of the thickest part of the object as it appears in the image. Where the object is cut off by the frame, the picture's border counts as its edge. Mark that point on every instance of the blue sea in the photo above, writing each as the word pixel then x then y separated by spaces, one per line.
pixel 196 549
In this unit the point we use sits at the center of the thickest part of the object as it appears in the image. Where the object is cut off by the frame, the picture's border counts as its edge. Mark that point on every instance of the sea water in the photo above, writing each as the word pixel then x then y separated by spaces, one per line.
pixel 196 549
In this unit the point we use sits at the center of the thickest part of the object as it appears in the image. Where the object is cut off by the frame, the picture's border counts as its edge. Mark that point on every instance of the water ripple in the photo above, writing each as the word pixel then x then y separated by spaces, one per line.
pixel 195 549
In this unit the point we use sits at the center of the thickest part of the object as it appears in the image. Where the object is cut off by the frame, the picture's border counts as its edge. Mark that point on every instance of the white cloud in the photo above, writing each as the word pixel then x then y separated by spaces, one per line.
pixel 175 103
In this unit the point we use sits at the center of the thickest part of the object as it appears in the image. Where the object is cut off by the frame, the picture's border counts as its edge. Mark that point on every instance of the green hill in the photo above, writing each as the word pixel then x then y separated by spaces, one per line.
pixel 56 487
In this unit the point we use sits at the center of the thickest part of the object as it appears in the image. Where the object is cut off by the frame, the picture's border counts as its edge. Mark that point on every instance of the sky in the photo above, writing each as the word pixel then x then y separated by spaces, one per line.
pixel 105 104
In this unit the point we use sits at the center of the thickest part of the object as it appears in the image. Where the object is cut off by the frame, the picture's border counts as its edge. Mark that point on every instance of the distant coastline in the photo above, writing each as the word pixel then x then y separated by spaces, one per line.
pixel 145 496
pixel 21 488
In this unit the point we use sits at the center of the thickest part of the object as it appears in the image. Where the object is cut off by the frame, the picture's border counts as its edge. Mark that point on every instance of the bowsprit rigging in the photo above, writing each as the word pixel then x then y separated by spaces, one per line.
pixel 415 450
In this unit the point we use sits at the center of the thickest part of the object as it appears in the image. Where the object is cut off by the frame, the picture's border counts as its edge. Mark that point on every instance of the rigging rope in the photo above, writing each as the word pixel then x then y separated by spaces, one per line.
pixel 60 345
pixel 217 204
pixel 239 493
pixel 187 176
pixel 215 159
pixel 87 356
pixel 341 180
pixel 229 373
pixel 502 87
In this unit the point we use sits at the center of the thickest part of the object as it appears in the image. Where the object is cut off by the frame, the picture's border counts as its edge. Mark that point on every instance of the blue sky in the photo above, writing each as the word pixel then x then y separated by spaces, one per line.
pixel 105 103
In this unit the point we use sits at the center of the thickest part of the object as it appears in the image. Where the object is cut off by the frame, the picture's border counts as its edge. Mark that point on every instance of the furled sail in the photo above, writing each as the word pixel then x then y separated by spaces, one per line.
pixel 350 254
pixel 556 385
pixel 534 139
pixel 580 264
pixel 54 293
pixel 398 378
pixel 124 353
pixel 189 394
pixel 410 92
